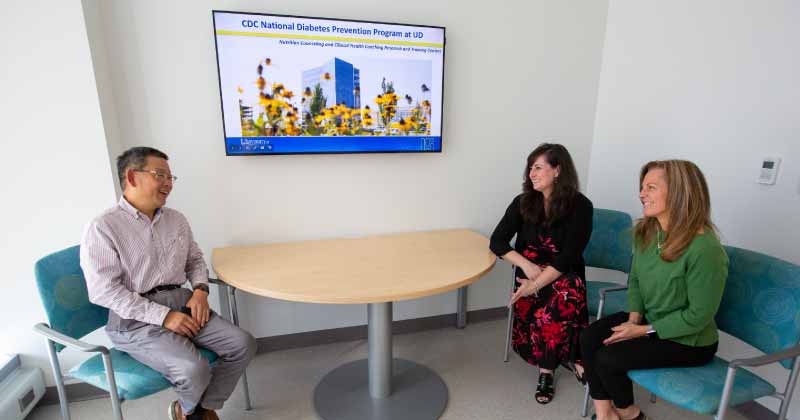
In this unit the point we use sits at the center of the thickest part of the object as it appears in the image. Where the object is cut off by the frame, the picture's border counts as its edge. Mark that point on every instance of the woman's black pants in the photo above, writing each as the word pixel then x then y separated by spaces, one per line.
pixel 606 366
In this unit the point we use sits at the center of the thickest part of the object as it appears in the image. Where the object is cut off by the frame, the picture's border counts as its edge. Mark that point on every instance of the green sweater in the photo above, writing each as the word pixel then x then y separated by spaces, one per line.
pixel 680 298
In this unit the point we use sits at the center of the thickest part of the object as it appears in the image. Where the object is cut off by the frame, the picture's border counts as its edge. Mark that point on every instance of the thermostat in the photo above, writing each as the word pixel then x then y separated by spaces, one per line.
pixel 769 170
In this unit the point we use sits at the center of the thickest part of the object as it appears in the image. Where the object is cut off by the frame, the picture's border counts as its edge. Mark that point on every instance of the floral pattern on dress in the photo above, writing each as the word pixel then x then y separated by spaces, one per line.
pixel 546 327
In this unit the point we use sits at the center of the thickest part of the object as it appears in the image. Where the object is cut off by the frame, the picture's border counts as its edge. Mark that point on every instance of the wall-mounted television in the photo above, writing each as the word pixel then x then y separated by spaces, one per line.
pixel 296 85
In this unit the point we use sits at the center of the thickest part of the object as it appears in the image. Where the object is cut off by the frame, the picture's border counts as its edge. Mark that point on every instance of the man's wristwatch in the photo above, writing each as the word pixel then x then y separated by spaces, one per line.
pixel 203 287
pixel 652 333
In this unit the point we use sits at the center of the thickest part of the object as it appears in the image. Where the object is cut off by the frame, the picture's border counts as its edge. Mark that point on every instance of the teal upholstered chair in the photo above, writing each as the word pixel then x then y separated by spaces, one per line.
pixel 62 288
pixel 610 248
pixel 761 306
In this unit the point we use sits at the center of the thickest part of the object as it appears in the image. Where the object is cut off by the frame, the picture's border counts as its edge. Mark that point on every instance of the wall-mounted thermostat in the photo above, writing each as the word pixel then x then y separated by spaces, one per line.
pixel 769 170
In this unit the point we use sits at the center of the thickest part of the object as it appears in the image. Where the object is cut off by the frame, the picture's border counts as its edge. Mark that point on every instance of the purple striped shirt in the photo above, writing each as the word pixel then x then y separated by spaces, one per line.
pixel 124 254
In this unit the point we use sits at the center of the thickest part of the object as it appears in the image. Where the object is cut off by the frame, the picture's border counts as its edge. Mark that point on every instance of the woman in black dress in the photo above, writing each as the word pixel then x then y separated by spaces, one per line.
pixel 552 221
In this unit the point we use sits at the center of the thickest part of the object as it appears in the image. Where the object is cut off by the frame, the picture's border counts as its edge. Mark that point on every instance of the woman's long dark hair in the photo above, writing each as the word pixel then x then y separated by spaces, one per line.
pixel 565 186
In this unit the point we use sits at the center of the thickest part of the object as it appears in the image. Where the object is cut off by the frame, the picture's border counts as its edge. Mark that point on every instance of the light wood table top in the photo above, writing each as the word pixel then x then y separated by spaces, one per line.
pixel 373 269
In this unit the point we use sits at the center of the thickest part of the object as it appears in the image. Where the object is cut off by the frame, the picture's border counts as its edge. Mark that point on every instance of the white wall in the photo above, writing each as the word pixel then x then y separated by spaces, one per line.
pixel 55 169
pixel 103 71
pixel 515 76
pixel 714 82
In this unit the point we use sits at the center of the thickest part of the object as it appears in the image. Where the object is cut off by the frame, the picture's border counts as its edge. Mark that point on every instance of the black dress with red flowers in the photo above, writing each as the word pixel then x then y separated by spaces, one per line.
pixel 546 327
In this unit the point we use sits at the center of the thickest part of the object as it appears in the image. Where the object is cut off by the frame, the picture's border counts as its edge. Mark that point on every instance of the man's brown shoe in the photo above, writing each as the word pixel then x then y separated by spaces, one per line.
pixel 210 415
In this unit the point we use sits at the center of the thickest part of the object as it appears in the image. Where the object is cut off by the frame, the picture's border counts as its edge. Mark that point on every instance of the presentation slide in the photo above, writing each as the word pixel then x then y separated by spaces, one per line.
pixel 292 85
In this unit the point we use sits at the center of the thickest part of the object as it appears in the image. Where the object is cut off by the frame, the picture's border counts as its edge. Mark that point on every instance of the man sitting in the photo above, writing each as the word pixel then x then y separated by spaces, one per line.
pixel 136 256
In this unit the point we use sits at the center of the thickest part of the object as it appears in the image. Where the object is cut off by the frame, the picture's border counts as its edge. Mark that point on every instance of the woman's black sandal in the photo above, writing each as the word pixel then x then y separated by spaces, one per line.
pixel 581 377
pixel 571 366
pixel 545 391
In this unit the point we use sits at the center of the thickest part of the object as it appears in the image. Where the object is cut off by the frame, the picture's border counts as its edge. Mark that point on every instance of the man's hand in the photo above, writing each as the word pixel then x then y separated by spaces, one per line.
pixel 198 304
pixel 626 331
pixel 181 323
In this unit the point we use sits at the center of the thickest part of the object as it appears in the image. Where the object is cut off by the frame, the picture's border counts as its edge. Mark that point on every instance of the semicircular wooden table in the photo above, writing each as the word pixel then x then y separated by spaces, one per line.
pixel 376 270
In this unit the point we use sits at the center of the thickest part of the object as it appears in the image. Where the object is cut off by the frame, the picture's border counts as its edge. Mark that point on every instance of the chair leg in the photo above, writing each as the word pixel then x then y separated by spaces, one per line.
pixel 787 394
pixel 510 313
pixel 112 387
pixel 62 392
pixel 246 389
pixel 726 394
pixel 652 398
pixel 600 305
pixel 508 332
pixel 585 408
pixel 235 320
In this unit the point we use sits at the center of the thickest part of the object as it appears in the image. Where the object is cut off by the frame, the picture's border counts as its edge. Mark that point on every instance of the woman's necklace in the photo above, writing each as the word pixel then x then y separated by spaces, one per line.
pixel 659 244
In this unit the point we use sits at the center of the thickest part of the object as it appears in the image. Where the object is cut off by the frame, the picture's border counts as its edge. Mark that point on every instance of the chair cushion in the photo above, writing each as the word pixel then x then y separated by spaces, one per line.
pixel 699 389
pixel 134 380
pixel 615 301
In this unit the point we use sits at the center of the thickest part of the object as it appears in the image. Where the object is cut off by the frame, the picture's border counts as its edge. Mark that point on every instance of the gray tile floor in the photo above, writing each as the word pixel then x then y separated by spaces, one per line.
pixel 470 361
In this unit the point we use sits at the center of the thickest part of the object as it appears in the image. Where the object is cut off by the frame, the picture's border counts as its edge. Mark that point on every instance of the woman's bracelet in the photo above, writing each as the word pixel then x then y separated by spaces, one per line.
pixel 538 288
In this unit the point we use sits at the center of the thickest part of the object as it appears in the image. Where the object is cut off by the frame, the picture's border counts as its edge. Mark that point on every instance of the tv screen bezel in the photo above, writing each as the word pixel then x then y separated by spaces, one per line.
pixel 222 105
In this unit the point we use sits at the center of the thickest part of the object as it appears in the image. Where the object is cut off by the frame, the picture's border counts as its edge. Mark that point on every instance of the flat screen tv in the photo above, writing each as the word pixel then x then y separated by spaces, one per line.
pixel 296 85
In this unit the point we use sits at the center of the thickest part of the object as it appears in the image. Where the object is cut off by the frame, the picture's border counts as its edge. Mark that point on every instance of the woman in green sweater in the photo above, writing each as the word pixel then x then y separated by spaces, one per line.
pixel 674 290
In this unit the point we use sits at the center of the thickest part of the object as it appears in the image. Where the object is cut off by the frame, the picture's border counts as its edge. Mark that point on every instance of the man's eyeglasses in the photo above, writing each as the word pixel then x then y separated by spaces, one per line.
pixel 160 176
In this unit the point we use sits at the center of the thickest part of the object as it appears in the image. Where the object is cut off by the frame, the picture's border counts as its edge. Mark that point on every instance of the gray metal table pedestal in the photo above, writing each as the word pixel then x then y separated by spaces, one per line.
pixel 461 312
pixel 381 387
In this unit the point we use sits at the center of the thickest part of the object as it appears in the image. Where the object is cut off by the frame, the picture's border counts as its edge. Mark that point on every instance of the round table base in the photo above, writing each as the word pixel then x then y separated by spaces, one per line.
pixel 417 393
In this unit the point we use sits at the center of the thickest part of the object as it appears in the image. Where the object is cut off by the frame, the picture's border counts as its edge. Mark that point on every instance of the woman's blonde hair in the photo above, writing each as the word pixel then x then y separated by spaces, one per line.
pixel 688 208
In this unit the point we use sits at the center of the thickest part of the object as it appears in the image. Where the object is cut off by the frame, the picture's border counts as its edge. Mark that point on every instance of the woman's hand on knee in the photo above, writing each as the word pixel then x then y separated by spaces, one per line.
pixel 626 331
